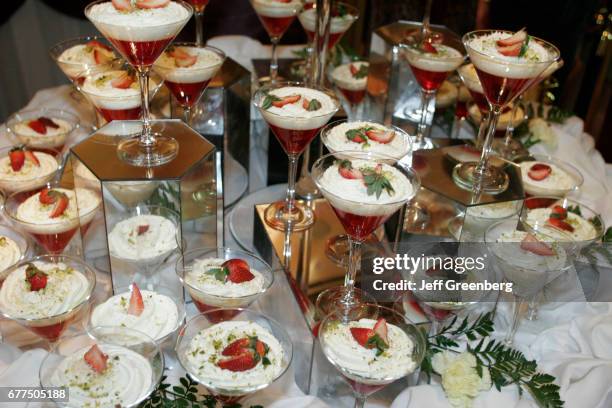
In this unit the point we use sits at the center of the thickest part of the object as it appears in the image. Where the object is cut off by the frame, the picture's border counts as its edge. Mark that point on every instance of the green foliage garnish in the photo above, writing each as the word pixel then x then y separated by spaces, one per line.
pixel 358 135
pixel 608 235
pixel 574 209
pixel 220 274
pixel 377 342
pixel 525 47
pixel 558 115
pixel 313 105
pixel 376 181
pixel 303 53
pixel 362 72
pixel 268 100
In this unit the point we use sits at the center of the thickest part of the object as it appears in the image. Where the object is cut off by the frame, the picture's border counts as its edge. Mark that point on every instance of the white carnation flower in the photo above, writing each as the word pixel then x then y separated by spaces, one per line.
pixel 460 380
pixel 541 130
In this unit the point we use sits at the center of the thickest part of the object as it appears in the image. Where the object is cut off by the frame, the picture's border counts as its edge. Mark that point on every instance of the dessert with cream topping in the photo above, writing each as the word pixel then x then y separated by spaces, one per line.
pixel 342 17
pixel 146 237
pixel 431 63
pixel 76 55
pixel 351 79
pixel 276 15
pixel 149 312
pixel 44 132
pixel 562 222
pixel 22 169
pixel 546 178
pixel 469 76
pixel 10 253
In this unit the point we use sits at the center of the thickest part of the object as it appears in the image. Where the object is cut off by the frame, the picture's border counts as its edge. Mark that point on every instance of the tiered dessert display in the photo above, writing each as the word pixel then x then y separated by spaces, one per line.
pixel 364 190
pixel 45 130
pixel 140 32
pixel 507 64
pixel 295 113
pixel 351 80
pixel 187 70
pixel 276 16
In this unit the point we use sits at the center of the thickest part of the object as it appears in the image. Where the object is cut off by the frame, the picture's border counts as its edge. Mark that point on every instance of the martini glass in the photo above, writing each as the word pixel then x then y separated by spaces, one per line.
pixel 359 209
pixel 230 386
pixel 503 79
pixel 27 178
pixel 198 12
pixel 188 83
pixel 79 54
pixel 135 368
pixel 342 17
pixel 431 63
pixel 351 80
pixel 276 17
pixel 294 128
pixel 58 317
pixel 141 44
pixel 362 369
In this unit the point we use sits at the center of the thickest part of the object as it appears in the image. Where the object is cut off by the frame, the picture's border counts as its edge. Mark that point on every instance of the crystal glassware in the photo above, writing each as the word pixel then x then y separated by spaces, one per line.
pixel 141 43
pixel 28 179
pixel 469 76
pixel 350 80
pixel 187 69
pixel 364 190
pixel 536 170
pixel 503 79
pixel 276 17
pixel 398 352
pixel 211 367
pixel 132 366
pixel 198 12
pixel 79 54
pixel 432 58
pixel 295 126
pixel 342 17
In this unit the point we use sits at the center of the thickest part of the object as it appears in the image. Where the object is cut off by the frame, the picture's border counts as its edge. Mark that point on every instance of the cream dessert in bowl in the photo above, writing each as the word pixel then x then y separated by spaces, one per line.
pixel 366 136
pixel 276 8
pixel 473 223
pixel 341 18
pixel 442 58
pixel 351 79
pixel 144 237
pixel 76 55
pixel 22 169
pixel 150 312
pixel 10 252
pixel 547 177
pixel 45 132
pixel 131 193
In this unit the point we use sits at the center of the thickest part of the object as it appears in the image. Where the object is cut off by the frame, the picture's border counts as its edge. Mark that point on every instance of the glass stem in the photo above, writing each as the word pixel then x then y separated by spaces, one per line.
pixel 354 264
pixel 360 401
pixel 486 147
pixel 146 139
pixel 187 115
pixel 274 60
pixel 510 128
pixel 482 130
pixel 426 17
pixel 516 319
pixel 426 97
pixel 290 200
pixel 199 23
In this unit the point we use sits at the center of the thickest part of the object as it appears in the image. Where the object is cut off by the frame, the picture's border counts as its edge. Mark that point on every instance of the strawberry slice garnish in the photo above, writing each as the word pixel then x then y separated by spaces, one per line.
pixel 38 126
pixel 362 335
pixel 533 245
pixel 428 47
pixel 48 122
pixel 558 212
pixel 136 306
pixel 560 224
pixel 122 81
pixel 178 52
pixel 31 158
pixel 353 68
pixel 123 5
pixel 241 362
pixel 285 100
pixel 102 56
pixel 381 135
pixel 517 38
pixel 371 339
pixel 238 270
pixel 48 196
pixel 511 50
pixel 380 328
pixel 151 4
pixel 186 61
pixel 36 278
pixel 17 158
pixel 60 205
pixel 347 171
pixel 539 171
pixel 236 347
pixel 142 229
pixel 97 44
pixel 96 359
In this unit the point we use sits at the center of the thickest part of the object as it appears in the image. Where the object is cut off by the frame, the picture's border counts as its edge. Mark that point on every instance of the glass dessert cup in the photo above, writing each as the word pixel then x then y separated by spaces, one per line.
pixel 223 304
pixel 231 389
pixel 360 218
pixel 338 246
pixel 294 134
pixel 29 184
pixel 133 357
pixel 53 143
pixel 52 236
pixel 351 89
pixel 430 70
pixel 368 379
pixel 139 256
pixel 115 107
pixel 50 328
pixel 187 85
pixel 527 270
pixel 72 69
pixel 471 225
pixel 22 244
pixel 141 45
pixel 534 188
pixel 502 80
pixel 276 17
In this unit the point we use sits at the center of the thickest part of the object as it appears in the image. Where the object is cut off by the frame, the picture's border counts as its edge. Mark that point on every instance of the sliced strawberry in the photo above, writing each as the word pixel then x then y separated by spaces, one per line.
pixel 560 224
pixel 37 126
pixel 47 196
pixel 380 328
pixel 36 278
pixel 511 50
pixel 151 4
pixel 516 38
pixel 362 335
pixel 178 52
pixel 60 205
pixel 347 171
pixel 142 229
pixel 136 306
pixel 532 203
pixel 31 157
pixel 558 212
pixel 17 158
pixel 241 362
pixel 305 103
pixel 48 122
pixel 98 44
pixel 381 135
pixel 261 348
pixel 285 100
pixel 428 47
pixel 236 347
pixel 353 69
pixel 533 245
pixel 239 275
pixel 539 171
pixel 102 56
pixel 186 61
pixel 123 81
pixel 96 359
pixel 123 5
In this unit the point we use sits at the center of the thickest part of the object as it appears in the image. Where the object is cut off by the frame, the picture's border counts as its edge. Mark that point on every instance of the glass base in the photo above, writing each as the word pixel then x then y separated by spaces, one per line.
pixel 339 300
pixel 494 180
pixel 277 216
pixel 417 216
pixel 426 143
pixel 337 249
pixel 163 151
pixel 511 151
pixel 264 80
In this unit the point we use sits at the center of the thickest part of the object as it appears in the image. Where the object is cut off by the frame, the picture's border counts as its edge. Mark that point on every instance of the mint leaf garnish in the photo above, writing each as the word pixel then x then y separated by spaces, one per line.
pixel 268 100
pixel 525 47
pixel 313 105
pixel 220 274
pixel 361 73
pixel 376 181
